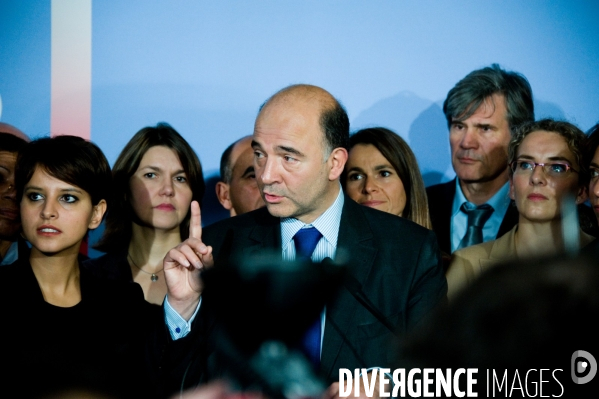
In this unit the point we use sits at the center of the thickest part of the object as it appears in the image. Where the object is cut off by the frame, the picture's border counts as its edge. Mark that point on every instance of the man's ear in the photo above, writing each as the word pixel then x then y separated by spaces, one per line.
pixel 222 193
pixel 98 212
pixel 337 161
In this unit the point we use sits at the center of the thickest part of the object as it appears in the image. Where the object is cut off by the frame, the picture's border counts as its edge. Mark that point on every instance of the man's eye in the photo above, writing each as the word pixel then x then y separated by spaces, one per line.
pixel 69 199
pixel 258 154
pixel 594 173
pixel 289 158
pixel 558 168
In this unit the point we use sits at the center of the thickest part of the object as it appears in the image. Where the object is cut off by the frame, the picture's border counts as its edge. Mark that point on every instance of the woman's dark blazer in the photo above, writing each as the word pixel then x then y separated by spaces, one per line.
pixel 98 344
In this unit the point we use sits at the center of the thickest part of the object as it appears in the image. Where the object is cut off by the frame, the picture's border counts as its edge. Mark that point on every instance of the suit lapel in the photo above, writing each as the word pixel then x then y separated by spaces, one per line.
pixel 355 243
pixel 265 236
pixel 503 249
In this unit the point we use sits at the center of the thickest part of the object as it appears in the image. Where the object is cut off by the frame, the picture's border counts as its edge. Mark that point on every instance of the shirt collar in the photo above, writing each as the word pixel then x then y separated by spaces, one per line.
pixel 499 201
pixel 327 224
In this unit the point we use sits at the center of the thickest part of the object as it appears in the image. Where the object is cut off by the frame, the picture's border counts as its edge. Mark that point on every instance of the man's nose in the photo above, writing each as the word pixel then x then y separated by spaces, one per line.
pixel 268 172
pixel 469 139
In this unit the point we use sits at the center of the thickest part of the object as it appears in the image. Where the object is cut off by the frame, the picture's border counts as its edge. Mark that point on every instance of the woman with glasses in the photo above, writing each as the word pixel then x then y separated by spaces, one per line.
pixel 547 175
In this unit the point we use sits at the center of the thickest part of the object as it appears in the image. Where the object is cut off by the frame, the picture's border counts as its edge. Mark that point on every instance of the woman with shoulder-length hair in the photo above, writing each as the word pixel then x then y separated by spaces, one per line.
pixel 546 169
pixel 382 173
pixel 156 177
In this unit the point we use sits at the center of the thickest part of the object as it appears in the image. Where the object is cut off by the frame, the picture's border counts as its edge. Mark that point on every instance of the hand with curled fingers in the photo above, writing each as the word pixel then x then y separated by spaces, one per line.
pixel 182 267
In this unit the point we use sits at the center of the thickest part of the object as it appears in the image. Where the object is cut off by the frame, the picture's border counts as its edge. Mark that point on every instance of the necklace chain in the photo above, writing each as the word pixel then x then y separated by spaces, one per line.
pixel 153 276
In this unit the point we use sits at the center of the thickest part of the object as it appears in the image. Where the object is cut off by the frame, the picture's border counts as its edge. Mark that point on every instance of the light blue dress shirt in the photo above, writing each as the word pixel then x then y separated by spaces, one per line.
pixel 327 224
pixel 459 219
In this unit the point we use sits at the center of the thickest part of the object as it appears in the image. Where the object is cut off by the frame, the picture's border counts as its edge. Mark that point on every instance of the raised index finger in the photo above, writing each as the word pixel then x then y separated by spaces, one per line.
pixel 195 223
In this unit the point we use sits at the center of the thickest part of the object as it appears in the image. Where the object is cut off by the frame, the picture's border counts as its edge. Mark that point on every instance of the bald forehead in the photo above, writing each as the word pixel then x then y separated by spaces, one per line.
pixel 305 95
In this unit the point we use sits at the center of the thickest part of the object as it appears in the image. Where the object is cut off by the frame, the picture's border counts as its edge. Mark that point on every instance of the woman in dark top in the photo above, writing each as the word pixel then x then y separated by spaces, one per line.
pixel 156 177
pixel 63 327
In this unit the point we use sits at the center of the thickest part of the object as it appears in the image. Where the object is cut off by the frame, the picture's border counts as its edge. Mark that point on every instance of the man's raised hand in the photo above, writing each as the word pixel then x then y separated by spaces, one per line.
pixel 183 264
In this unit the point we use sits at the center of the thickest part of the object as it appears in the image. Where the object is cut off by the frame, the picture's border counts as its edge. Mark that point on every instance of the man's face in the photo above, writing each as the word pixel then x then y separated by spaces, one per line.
pixel 9 210
pixel 479 143
pixel 243 188
pixel 295 177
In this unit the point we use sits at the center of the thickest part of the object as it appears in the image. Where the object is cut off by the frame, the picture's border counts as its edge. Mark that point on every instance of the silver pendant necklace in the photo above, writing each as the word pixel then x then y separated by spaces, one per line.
pixel 153 276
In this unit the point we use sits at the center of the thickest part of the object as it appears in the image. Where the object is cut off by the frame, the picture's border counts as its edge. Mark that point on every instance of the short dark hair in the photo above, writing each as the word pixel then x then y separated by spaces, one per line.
pixel 226 171
pixel 469 93
pixel 400 156
pixel 117 234
pixel 11 143
pixel 67 158
pixel 591 144
pixel 573 136
pixel 335 125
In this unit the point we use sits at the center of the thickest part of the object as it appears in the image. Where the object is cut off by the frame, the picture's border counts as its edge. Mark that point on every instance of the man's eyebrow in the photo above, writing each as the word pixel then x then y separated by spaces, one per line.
pixel 485 125
pixel 594 165
pixel 255 144
pixel 289 150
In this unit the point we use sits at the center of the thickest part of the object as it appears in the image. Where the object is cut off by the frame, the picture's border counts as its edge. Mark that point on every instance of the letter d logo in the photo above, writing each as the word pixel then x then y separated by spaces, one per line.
pixel 579 366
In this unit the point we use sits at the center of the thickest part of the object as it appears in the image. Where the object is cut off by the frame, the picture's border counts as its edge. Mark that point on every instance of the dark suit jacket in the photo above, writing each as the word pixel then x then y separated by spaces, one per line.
pixel 440 202
pixel 396 261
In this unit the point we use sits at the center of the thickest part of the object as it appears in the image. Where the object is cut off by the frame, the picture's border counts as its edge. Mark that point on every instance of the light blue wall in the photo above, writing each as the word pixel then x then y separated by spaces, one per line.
pixel 205 67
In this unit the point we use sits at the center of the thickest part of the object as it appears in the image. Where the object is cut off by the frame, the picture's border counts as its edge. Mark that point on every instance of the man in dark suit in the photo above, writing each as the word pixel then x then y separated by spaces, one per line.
pixel 480 110
pixel 300 139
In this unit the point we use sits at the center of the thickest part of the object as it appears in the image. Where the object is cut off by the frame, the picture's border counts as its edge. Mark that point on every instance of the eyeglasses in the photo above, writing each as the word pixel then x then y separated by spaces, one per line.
pixel 553 169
